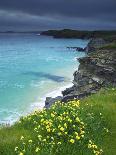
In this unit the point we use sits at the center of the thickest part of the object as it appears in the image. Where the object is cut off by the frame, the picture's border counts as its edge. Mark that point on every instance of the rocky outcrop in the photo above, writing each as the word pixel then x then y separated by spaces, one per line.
pixel 80 49
pixel 94 44
pixel 49 101
pixel 96 70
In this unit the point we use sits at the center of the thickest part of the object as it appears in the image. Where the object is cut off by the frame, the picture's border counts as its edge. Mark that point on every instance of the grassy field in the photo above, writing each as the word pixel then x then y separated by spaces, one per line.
pixel 109 46
pixel 84 128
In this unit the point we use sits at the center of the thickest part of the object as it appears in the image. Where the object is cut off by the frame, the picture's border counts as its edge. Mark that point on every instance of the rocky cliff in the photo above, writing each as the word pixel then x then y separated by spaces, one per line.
pixel 96 70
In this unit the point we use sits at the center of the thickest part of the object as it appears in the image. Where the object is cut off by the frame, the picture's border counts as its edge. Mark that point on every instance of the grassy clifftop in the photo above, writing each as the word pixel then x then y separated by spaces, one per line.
pixel 109 46
pixel 78 127
pixel 68 33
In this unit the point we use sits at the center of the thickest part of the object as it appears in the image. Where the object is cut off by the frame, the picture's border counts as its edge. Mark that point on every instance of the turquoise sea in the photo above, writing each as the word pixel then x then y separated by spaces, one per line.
pixel 31 68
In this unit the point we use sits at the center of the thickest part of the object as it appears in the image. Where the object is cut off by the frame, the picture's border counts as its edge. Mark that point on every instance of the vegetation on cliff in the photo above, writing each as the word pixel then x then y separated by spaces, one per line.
pixel 109 46
pixel 85 127
pixel 74 128
pixel 68 33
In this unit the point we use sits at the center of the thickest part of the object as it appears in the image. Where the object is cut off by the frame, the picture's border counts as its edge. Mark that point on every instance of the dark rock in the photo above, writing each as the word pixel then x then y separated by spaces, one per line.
pixel 68 91
pixel 81 49
pixel 49 101
pixel 96 70
pixel 72 48
pixel 95 44
pixel 73 96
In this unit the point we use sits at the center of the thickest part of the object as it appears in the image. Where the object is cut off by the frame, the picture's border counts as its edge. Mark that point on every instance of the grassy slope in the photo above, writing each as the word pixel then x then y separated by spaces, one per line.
pixel 109 46
pixel 108 101
pixel 9 137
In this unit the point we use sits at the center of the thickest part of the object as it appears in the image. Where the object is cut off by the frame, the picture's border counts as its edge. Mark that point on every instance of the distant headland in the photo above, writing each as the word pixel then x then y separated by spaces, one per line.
pixel 84 34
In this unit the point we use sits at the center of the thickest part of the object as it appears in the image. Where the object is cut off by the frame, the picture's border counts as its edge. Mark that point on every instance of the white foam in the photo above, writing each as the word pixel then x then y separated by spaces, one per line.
pixel 38 83
pixel 57 92
pixel 52 59
pixel 11 118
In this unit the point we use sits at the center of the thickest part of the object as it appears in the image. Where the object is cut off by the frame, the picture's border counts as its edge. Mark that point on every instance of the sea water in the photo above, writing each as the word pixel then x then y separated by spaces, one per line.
pixel 33 67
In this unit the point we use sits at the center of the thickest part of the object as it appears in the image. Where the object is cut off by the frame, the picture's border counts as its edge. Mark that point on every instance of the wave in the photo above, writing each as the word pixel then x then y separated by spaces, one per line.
pixel 11 118
pixel 38 83
pixel 41 103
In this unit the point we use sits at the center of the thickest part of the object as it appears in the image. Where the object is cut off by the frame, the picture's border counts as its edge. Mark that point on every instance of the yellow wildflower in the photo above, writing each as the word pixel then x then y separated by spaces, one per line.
pixel 77 119
pixel 16 148
pixel 76 133
pixel 72 141
pixel 30 141
pixel 53 130
pixel 21 138
pixel 89 145
pixel 39 136
pixel 44 140
pixel 69 120
pixel 61 129
pixel 37 149
pixel 59 126
pixel 52 115
pixel 59 143
pixel 82 136
pixel 65 125
pixel 77 137
pixel 42 120
pixel 82 132
pixel 59 133
pixel 21 153
pixel 47 127
pixel 48 130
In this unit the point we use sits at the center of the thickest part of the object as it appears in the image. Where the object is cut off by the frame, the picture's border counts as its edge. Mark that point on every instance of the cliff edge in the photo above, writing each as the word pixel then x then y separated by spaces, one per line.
pixel 96 70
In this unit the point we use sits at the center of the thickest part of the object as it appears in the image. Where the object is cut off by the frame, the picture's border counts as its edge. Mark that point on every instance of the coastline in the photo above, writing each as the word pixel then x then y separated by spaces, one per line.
pixel 95 75
pixel 96 71
pixel 40 102
pixel 84 83
pixel 35 89
pixel 39 105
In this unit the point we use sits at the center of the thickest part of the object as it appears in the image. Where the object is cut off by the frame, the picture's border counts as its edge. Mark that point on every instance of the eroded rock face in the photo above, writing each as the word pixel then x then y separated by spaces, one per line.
pixel 96 70
pixel 95 44
pixel 50 101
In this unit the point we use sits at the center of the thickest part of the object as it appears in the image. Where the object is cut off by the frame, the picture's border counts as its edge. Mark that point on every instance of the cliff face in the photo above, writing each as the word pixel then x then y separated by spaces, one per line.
pixel 95 44
pixel 96 70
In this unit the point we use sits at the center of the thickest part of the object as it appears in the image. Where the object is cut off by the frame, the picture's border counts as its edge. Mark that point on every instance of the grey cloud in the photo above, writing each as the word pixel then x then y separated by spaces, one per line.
pixel 93 13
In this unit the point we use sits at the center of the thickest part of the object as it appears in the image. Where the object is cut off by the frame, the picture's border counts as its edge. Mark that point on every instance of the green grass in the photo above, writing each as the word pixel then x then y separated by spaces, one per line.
pixel 9 138
pixel 107 99
pixel 103 102
pixel 109 46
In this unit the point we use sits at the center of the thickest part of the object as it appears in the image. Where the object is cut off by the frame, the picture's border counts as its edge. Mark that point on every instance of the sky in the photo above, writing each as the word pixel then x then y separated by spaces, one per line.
pixel 27 15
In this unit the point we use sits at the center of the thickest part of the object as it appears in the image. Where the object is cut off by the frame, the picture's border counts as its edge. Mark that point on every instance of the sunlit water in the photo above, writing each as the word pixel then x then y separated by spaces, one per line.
pixel 31 68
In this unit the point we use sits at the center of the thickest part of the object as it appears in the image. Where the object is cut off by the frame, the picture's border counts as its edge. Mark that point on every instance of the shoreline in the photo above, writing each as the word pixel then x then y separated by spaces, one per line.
pixel 96 70
pixel 67 67
pixel 53 95
pixel 40 102
pixel 36 105
pixel 84 82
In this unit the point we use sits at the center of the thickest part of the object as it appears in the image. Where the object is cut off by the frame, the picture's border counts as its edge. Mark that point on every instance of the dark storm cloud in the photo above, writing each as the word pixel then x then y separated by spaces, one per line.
pixel 56 13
